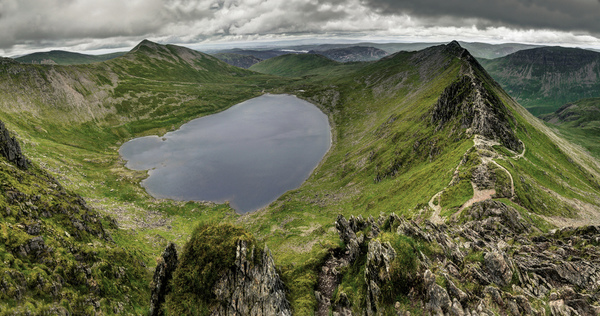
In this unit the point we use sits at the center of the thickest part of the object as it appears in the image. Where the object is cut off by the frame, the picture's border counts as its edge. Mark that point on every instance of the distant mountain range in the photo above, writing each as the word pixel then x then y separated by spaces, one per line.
pixel 353 53
pixel 543 79
pixel 579 122
pixel 60 57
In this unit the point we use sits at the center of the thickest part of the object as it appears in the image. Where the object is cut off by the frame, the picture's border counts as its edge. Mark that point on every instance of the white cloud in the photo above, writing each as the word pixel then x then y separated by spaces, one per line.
pixel 83 25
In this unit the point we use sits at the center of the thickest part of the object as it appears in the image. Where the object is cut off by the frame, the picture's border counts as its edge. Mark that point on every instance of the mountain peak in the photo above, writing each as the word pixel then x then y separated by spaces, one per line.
pixel 454 44
pixel 146 43
pixel 470 104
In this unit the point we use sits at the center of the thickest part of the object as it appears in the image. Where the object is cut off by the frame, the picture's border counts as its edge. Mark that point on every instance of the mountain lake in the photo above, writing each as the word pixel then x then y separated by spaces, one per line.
pixel 249 154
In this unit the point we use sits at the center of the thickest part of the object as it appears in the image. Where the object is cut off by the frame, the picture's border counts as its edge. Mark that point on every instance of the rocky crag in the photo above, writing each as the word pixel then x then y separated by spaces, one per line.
pixel 491 261
pixel 219 272
pixel 251 289
pixel 167 263
pixel 10 148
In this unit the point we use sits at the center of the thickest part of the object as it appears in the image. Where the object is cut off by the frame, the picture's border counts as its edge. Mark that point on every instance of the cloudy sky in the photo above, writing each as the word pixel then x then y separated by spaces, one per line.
pixel 102 25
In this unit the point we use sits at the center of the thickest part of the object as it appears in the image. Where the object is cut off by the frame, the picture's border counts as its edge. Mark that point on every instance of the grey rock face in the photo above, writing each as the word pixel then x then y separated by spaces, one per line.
pixel 498 268
pixel 251 289
pixel 162 276
pixel 10 148
pixel 377 271
pixel 480 111
pixel 492 263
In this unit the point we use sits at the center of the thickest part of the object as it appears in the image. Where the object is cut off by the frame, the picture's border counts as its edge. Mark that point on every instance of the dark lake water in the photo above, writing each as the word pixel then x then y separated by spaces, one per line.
pixel 248 155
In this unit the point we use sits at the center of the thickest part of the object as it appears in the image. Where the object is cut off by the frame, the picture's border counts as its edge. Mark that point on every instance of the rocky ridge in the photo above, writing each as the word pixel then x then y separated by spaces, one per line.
pixel 167 263
pixel 477 109
pixel 491 261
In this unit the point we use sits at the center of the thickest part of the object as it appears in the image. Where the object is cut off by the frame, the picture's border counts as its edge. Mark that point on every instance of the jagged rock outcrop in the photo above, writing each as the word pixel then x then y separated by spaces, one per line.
pixel 162 276
pixel 476 109
pixel 249 288
pixel 377 271
pixel 10 148
pixel 490 261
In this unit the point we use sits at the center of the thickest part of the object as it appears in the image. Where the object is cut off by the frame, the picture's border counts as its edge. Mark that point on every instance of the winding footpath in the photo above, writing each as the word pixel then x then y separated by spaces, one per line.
pixel 479 142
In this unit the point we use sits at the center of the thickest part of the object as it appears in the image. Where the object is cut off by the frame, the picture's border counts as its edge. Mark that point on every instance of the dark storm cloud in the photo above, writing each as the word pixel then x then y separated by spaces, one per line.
pixel 564 15
pixel 27 22
pixel 26 25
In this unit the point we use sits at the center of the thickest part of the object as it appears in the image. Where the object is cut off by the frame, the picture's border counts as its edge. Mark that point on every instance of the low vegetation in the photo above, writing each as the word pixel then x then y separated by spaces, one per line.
pixel 389 156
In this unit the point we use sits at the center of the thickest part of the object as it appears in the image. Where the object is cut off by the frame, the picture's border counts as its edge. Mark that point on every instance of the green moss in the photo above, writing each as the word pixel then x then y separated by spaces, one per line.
pixel 210 252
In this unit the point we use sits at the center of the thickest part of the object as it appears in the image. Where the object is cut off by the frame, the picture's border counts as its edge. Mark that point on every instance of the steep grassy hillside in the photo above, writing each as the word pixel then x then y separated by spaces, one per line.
pixel 238 60
pixel 58 255
pixel 425 135
pixel 543 79
pixel 60 57
pixel 579 122
pixel 72 120
pixel 405 131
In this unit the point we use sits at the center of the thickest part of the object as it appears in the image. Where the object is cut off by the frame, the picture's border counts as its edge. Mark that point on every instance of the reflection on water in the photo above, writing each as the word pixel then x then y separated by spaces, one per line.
pixel 248 155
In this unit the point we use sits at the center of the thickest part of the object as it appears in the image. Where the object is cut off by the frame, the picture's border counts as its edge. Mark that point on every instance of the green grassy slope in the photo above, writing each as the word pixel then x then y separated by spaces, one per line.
pixel 579 122
pixel 389 156
pixel 72 120
pixel 293 65
pixel 402 126
pixel 58 256
pixel 66 58
pixel 543 79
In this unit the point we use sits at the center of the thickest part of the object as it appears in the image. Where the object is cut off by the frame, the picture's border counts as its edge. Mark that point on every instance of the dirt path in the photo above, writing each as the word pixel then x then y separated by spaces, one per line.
pixel 478 196
pixel 512 182
pixel 437 209
pixel 479 142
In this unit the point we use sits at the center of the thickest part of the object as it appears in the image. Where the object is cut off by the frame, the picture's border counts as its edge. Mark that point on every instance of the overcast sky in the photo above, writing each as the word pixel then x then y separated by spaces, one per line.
pixel 92 25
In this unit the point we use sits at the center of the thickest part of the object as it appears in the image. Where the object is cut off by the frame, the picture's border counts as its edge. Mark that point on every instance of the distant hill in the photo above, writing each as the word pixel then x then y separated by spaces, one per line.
pixel 238 60
pixel 260 54
pixel 354 53
pixel 293 65
pixel 543 79
pixel 491 51
pixel 478 50
pixel 579 122
pixel 60 57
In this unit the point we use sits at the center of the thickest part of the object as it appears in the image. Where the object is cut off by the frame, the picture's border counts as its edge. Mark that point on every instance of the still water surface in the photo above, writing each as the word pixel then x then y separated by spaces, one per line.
pixel 248 155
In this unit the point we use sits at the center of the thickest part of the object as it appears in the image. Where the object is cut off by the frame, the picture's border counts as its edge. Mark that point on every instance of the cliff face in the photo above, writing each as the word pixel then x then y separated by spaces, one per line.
pixel 251 289
pixel 10 148
pixel 57 255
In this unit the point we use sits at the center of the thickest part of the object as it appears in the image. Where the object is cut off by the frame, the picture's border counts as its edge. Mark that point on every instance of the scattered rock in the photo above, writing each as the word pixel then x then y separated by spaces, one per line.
pixel 508 266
